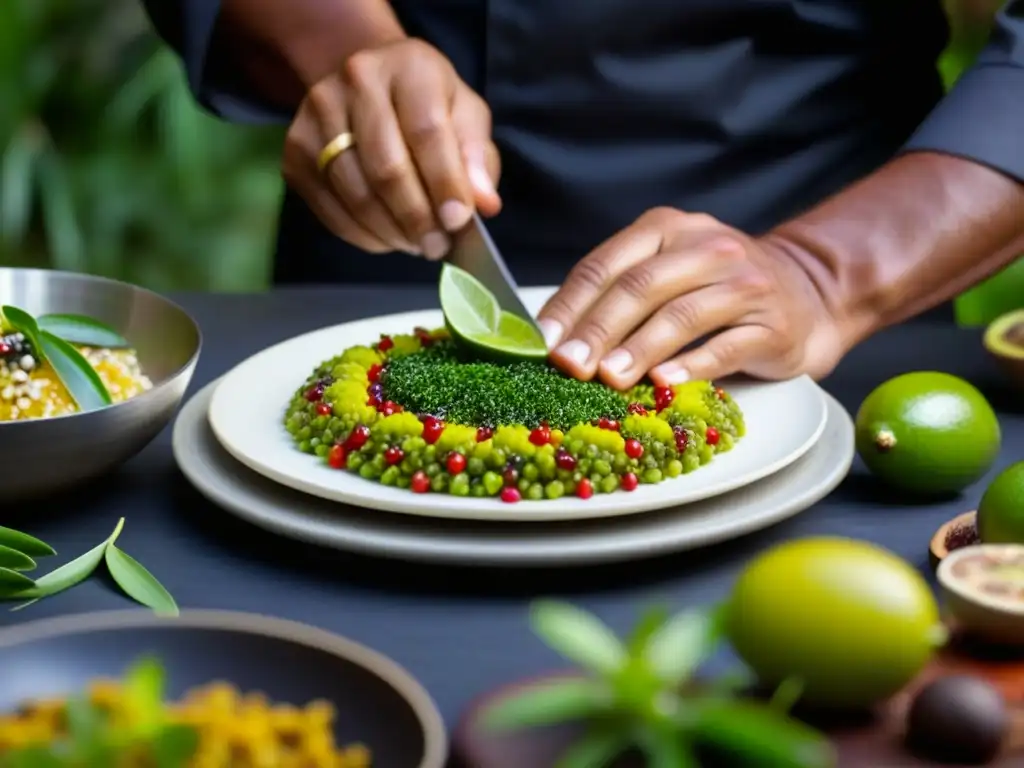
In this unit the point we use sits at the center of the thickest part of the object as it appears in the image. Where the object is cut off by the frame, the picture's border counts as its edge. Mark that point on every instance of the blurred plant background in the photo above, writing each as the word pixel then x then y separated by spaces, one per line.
pixel 108 166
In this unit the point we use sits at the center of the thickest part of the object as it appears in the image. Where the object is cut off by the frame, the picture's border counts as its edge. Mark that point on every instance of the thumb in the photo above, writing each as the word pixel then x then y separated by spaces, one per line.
pixel 472 125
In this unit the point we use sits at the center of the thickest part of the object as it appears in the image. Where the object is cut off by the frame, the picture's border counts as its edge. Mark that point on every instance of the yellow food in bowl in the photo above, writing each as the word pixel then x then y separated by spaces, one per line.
pixel 235 730
pixel 31 390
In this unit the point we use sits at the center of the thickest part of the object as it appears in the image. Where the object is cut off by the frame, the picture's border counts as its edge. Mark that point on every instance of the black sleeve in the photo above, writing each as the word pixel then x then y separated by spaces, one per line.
pixel 982 118
pixel 187 26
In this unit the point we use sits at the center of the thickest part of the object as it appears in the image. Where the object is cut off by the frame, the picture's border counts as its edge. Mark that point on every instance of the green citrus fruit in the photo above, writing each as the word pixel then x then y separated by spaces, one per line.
pixel 851 621
pixel 1001 511
pixel 927 432
pixel 477 322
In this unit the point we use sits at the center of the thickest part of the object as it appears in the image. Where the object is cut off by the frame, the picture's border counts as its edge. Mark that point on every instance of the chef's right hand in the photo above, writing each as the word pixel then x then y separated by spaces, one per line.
pixel 422 158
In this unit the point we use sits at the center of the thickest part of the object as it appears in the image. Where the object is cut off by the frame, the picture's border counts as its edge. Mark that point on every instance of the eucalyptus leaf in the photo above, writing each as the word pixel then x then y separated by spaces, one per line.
pixel 69 574
pixel 597 749
pixel 82 330
pixel 174 746
pixel 547 703
pixel 680 646
pixel 579 636
pixel 24 543
pixel 650 622
pixel 138 583
pixel 12 582
pixel 15 559
pixel 747 731
pixel 74 371
pixel 665 749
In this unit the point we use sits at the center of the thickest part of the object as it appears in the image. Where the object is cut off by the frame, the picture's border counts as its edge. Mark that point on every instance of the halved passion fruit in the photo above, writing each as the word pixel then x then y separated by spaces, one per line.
pixel 1004 340
pixel 984 587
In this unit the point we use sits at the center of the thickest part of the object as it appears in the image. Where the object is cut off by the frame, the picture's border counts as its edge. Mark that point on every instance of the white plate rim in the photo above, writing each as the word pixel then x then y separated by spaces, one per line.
pixel 347 488
pixel 494 545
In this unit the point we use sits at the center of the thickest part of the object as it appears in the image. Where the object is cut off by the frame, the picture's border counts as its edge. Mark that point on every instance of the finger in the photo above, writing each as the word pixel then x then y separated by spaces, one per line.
pixel 298 167
pixel 634 297
pixel 471 118
pixel 423 102
pixel 679 322
pixel 388 165
pixel 731 351
pixel 590 278
pixel 345 175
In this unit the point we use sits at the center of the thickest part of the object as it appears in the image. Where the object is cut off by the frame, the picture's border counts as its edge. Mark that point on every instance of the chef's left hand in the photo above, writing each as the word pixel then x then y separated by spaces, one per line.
pixel 673 278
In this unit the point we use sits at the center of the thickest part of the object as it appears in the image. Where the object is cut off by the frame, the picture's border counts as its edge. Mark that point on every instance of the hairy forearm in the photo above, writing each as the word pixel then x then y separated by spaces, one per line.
pixel 913 234
pixel 282 47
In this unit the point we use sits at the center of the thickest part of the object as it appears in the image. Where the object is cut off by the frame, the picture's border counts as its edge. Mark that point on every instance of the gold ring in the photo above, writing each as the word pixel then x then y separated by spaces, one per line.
pixel 339 144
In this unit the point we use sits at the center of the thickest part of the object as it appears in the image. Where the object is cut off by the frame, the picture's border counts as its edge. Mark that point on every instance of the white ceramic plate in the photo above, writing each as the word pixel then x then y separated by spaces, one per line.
pixel 784 419
pixel 295 515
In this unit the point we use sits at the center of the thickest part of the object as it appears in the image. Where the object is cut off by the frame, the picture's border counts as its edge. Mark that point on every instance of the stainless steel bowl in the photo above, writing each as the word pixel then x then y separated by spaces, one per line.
pixel 41 456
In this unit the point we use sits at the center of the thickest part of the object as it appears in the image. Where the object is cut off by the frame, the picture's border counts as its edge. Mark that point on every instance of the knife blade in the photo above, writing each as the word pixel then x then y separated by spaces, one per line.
pixel 474 251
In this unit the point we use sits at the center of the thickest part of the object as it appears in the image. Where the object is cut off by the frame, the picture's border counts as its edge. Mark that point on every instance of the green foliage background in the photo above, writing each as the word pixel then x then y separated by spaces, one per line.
pixel 109 167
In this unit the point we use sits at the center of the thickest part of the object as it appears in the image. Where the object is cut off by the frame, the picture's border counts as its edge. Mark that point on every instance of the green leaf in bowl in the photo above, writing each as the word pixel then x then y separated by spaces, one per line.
pixel 548 703
pixel 74 371
pixel 579 636
pixel 681 645
pixel 82 330
pixel 22 322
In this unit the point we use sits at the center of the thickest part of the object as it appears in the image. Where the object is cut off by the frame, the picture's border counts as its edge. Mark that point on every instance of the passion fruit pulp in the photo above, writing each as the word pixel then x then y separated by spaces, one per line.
pixel 1004 340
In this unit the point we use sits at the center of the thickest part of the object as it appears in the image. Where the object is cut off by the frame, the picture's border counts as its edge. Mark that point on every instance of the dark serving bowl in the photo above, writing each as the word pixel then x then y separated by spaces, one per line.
pixel 49 455
pixel 378 703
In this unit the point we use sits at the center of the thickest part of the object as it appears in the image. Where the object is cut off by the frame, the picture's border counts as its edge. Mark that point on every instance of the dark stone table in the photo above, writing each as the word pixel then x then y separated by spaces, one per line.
pixel 459 633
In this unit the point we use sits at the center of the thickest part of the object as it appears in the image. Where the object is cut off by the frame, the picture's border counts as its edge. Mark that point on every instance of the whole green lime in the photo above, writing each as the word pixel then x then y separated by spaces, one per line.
pixel 1001 511
pixel 927 432
pixel 853 622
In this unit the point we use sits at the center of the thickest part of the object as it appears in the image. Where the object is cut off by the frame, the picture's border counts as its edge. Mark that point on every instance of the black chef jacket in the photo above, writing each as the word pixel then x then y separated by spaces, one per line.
pixel 750 110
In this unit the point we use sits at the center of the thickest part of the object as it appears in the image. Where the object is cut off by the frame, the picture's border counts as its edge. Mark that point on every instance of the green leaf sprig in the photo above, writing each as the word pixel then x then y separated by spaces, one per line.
pixel 641 694
pixel 51 337
pixel 94 739
pixel 17 553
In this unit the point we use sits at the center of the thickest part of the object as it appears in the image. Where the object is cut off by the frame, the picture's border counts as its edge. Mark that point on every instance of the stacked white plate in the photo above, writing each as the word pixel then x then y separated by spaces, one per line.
pixel 229 440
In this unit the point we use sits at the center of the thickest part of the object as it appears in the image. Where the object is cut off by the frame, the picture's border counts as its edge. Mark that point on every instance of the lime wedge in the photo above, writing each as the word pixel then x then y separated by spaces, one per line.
pixel 479 324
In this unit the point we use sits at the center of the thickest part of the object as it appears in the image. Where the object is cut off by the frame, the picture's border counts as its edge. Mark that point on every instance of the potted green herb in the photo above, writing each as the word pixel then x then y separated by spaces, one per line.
pixel 641 695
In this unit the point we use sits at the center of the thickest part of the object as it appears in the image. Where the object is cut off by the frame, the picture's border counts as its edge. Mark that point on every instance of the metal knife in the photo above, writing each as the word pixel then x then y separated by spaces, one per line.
pixel 474 251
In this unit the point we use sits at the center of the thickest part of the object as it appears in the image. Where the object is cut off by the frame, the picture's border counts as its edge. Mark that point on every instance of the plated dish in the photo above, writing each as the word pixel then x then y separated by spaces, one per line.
pixel 782 421
pixel 410 412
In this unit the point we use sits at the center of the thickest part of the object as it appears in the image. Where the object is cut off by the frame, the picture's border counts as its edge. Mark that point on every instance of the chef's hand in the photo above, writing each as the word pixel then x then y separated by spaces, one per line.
pixel 422 158
pixel 672 278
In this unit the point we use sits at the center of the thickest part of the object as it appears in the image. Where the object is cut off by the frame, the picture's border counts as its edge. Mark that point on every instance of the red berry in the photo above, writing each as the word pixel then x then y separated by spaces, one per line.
pixel 385 343
pixel 663 397
pixel 634 448
pixel 4 348
pixel 324 409
pixel 432 429
pixel 585 488
pixel 712 436
pixel 629 482
pixel 374 400
pixel 484 433
pixel 540 436
pixel 314 393
pixel 420 483
pixel 393 455
pixel 373 373
pixel 357 437
pixel 681 438
pixel 720 392
pixel 337 457
pixel 565 460
pixel 389 407
pixel 606 423
pixel 456 463
pixel 637 409
pixel 510 476
pixel 424 336
pixel 510 494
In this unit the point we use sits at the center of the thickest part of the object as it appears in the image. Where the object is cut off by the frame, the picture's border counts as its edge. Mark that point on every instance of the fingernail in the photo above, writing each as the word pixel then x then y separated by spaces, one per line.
pixel 575 350
pixel 617 362
pixel 552 330
pixel 481 179
pixel 454 215
pixel 435 245
pixel 672 373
